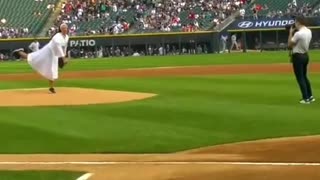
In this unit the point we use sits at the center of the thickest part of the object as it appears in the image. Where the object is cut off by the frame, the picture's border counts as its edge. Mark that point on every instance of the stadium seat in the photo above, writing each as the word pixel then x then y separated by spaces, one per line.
pixel 276 5
pixel 97 23
pixel 21 13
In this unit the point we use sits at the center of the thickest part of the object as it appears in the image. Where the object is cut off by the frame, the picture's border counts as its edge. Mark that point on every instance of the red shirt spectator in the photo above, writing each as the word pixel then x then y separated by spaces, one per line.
pixel 192 15
pixel 175 21
pixel 259 7
pixel 190 28
pixel 68 8
pixel 79 6
pixel 125 26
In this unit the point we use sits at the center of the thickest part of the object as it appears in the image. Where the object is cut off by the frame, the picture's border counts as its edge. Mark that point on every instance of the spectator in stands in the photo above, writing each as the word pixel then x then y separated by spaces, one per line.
pixel 169 11
pixel 3 21
pixel 306 9
pixel 51 7
pixel 149 15
pixel 6 33
pixel 75 12
pixel 242 13
pixel 292 9
pixel 316 12
pixel 256 9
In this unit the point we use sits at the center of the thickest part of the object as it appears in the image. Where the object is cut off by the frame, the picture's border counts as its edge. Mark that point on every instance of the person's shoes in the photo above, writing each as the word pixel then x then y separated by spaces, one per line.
pixel 15 53
pixel 52 90
pixel 305 101
pixel 312 99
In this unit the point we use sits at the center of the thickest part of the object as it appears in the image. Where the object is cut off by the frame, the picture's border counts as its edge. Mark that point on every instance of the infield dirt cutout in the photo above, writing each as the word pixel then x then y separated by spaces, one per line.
pixel 66 96
pixel 273 159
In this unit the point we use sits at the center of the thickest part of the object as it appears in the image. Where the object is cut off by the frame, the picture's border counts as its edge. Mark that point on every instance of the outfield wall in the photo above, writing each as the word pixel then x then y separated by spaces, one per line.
pixel 270 39
pixel 263 34
pixel 136 42
pixel 269 34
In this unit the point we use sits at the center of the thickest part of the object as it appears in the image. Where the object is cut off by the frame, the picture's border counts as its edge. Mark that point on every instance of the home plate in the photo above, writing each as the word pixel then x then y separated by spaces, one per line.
pixel 66 96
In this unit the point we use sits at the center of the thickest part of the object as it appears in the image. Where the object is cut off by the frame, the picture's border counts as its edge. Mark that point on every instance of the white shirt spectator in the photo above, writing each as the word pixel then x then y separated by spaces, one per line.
pixel 3 21
pixel 80 12
pixel 116 30
pixel 115 8
pixel 242 12
pixel 167 29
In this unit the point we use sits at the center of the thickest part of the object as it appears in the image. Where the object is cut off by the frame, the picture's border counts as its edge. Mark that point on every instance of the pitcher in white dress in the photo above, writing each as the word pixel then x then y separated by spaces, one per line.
pixel 45 60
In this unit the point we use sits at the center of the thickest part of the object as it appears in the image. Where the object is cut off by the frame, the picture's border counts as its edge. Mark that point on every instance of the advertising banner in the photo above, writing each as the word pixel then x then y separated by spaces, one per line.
pixel 261 24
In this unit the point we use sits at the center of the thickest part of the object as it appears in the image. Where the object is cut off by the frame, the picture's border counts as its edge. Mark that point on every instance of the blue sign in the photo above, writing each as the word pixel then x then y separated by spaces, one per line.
pixel 261 24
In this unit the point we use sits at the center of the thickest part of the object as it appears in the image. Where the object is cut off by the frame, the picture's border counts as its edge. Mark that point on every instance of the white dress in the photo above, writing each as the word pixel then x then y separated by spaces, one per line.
pixel 45 60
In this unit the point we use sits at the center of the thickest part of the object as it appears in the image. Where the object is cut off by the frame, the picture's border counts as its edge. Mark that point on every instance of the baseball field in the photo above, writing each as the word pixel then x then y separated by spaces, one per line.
pixel 220 116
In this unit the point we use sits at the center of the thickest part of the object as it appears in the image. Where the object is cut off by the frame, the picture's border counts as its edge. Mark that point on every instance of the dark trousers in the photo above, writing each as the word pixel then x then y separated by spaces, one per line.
pixel 300 66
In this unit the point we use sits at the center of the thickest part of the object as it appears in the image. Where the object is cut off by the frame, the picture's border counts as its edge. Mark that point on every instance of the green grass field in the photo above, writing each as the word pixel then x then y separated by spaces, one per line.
pixel 164 61
pixel 39 175
pixel 189 112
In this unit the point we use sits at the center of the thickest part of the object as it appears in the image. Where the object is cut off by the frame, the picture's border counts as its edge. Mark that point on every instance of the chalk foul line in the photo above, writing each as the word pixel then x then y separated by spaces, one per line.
pixel 85 176
pixel 162 163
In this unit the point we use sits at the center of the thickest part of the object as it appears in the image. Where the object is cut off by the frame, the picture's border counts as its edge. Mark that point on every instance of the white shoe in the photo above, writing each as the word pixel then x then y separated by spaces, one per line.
pixel 303 101
pixel 312 99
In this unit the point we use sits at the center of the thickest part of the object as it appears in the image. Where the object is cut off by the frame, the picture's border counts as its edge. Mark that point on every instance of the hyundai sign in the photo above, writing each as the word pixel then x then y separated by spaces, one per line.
pixel 262 24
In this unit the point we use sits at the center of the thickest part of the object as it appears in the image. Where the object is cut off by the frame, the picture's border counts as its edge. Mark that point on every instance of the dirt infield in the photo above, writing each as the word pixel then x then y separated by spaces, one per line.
pixel 66 96
pixel 273 159
pixel 167 71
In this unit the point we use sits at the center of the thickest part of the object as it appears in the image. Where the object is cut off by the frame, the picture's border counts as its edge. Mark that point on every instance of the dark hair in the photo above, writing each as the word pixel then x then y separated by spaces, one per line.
pixel 301 20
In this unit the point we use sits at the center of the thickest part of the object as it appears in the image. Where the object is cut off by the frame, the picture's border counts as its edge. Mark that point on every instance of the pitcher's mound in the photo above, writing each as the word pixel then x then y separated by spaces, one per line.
pixel 66 96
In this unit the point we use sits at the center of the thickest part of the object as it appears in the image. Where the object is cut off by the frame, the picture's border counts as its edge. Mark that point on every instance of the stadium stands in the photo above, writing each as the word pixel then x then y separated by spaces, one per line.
pixel 118 16
pixel 25 18
pixel 114 16
pixel 20 18
pixel 316 10
pixel 96 17
pixel 276 8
